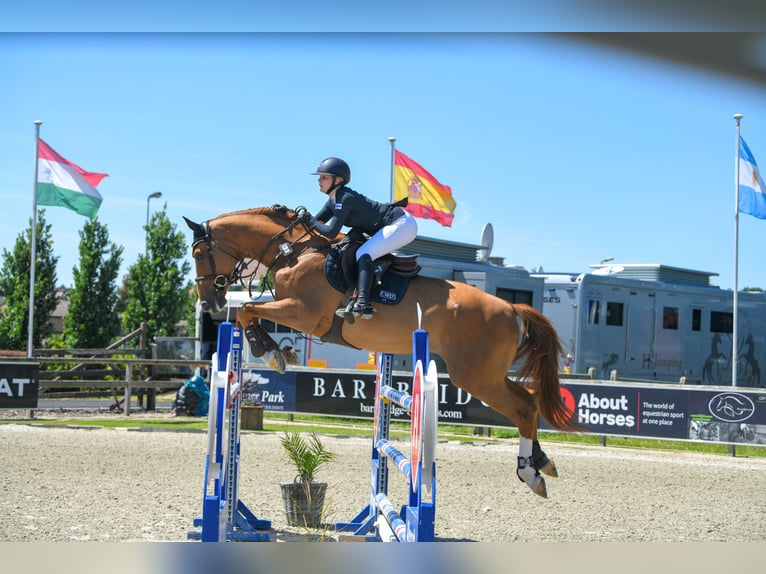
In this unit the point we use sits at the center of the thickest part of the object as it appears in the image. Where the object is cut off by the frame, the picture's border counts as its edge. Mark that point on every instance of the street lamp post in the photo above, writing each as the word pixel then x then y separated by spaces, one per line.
pixel 150 393
pixel 155 195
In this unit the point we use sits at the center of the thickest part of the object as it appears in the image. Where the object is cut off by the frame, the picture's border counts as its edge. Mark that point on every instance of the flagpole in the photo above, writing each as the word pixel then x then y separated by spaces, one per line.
pixel 391 172
pixel 33 249
pixel 735 305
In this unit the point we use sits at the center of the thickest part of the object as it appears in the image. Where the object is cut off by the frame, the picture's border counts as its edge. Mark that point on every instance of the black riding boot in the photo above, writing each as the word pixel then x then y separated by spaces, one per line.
pixel 362 307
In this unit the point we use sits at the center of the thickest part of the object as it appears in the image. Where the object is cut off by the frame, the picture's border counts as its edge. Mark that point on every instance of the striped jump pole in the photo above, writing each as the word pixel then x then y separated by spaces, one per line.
pixel 224 516
pixel 414 522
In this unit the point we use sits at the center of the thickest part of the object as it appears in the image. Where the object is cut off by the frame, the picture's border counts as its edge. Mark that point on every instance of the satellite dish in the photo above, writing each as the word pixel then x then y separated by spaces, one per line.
pixel 487 239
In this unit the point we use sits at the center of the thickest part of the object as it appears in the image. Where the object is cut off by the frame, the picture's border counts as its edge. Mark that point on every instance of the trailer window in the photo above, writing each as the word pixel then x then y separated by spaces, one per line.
pixel 594 306
pixel 515 296
pixel 670 318
pixel 614 313
pixel 696 319
pixel 721 322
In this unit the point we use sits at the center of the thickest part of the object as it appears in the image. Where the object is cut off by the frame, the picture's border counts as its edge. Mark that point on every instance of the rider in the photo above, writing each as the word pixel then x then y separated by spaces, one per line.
pixel 388 225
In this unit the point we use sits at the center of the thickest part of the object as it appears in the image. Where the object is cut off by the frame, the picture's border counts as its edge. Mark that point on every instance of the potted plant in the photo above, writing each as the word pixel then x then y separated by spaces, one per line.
pixel 304 497
pixel 251 406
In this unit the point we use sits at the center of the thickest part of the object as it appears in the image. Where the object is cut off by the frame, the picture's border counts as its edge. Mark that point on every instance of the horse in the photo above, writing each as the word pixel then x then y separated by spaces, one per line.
pixel 477 335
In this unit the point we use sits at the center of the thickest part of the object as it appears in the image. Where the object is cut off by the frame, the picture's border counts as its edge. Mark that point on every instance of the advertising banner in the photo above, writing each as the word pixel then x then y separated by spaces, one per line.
pixel 683 413
pixel 606 408
pixel 18 385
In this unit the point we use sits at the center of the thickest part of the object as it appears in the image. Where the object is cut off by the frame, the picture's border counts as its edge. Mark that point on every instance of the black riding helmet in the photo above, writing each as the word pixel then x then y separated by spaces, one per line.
pixel 334 166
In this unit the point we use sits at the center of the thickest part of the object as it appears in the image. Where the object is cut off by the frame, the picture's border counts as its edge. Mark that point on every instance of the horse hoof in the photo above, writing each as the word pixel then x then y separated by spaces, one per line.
pixel 550 469
pixel 290 356
pixel 532 479
pixel 277 362
pixel 538 486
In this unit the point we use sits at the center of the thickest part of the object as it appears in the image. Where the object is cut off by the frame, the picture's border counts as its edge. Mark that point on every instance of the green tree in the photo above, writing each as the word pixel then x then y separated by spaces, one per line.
pixel 157 291
pixel 14 288
pixel 190 326
pixel 93 318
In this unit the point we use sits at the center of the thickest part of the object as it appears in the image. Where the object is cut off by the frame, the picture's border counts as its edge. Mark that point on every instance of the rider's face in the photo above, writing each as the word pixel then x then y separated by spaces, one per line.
pixel 325 182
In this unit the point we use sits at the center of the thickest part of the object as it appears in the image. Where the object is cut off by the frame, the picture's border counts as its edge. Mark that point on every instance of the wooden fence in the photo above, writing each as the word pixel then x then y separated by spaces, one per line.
pixel 115 373
pixel 116 367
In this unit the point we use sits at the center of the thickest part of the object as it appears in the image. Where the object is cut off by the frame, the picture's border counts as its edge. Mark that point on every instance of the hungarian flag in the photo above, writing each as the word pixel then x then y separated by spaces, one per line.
pixel 62 183
pixel 428 199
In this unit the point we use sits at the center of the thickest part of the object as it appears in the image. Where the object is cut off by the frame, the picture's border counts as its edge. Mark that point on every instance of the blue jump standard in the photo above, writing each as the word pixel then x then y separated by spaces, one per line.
pixel 379 520
pixel 224 516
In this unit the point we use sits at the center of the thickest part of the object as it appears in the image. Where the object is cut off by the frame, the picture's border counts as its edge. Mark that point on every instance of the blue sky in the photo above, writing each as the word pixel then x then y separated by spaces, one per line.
pixel 573 152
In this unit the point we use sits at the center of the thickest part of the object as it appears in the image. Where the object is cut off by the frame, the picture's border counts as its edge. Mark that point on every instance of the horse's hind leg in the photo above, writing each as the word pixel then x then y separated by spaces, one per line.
pixel 525 466
pixel 541 461
pixel 520 406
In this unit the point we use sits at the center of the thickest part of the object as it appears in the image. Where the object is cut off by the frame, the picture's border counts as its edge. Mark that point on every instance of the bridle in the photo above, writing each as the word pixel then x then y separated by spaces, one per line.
pixel 219 281
pixel 284 252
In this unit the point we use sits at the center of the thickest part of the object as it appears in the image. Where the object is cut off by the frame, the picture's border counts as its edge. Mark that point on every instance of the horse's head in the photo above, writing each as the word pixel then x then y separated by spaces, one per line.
pixel 226 249
pixel 214 268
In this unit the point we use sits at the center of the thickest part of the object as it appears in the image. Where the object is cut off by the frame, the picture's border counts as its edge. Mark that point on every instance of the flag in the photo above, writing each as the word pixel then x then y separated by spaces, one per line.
pixel 751 188
pixel 62 183
pixel 428 199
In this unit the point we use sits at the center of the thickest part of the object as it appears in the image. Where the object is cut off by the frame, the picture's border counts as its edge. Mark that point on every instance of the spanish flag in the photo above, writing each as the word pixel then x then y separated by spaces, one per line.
pixel 428 199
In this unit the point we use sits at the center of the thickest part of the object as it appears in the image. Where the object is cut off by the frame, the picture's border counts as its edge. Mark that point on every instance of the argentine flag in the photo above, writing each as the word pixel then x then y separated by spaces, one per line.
pixel 751 188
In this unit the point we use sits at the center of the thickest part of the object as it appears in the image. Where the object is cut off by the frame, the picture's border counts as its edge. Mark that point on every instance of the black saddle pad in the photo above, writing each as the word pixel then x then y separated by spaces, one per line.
pixel 390 290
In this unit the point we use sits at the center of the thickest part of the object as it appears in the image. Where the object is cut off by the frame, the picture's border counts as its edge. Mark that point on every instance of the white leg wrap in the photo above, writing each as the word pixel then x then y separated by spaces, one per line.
pixel 525 469
pixel 525 447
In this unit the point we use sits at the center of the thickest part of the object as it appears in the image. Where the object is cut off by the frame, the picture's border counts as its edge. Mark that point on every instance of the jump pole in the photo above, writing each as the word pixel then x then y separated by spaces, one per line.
pixel 224 516
pixel 414 522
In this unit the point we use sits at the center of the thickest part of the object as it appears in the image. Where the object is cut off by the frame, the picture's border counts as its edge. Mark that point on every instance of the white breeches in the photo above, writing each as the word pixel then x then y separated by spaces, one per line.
pixel 390 238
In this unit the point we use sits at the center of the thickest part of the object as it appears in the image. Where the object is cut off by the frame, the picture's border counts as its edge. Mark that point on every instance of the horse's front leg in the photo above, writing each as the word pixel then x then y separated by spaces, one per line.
pixel 262 343
pixel 289 312
pixel 284 312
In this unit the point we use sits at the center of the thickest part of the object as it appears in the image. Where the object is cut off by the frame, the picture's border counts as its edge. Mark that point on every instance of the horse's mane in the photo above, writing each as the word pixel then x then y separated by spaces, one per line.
pixel 273 212
pixel 279 214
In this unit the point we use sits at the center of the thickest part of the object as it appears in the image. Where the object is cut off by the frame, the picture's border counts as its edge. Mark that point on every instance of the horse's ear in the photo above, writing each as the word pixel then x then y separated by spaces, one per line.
pixel 195 227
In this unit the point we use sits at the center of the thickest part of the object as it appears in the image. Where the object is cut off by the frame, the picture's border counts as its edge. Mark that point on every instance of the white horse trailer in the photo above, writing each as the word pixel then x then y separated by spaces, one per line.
pixel 654 322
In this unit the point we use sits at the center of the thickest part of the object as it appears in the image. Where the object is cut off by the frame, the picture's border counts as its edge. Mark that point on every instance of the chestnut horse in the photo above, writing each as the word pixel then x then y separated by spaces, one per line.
pixel 477 335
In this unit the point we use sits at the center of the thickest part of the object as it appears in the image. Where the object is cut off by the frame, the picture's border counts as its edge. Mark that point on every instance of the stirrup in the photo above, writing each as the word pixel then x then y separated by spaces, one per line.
pixel 345 313
pixel 363 310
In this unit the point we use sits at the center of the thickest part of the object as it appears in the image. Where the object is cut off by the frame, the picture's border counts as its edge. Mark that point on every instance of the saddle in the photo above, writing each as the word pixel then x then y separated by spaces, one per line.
pixel 392 271
pixel 392 276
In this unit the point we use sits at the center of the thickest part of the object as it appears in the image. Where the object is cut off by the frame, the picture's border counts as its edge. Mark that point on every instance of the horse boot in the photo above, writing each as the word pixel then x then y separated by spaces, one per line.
pixel 262 343
pixel 541 461
pixel 363 308
pixel 255 336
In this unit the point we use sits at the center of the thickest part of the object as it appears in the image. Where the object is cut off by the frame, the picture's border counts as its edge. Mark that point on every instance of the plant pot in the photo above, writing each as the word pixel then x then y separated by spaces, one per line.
pixel 304 508
pixel 251 417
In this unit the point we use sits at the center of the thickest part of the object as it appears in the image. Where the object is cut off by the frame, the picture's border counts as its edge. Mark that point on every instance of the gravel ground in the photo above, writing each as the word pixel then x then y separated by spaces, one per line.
pixel 73 484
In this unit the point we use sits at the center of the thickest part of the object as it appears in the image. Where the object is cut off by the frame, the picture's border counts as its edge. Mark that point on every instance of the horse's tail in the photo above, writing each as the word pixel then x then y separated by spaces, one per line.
pixel 538 358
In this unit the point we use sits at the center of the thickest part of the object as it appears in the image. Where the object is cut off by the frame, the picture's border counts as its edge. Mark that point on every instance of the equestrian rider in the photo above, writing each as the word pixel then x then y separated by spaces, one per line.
pixel 388 225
